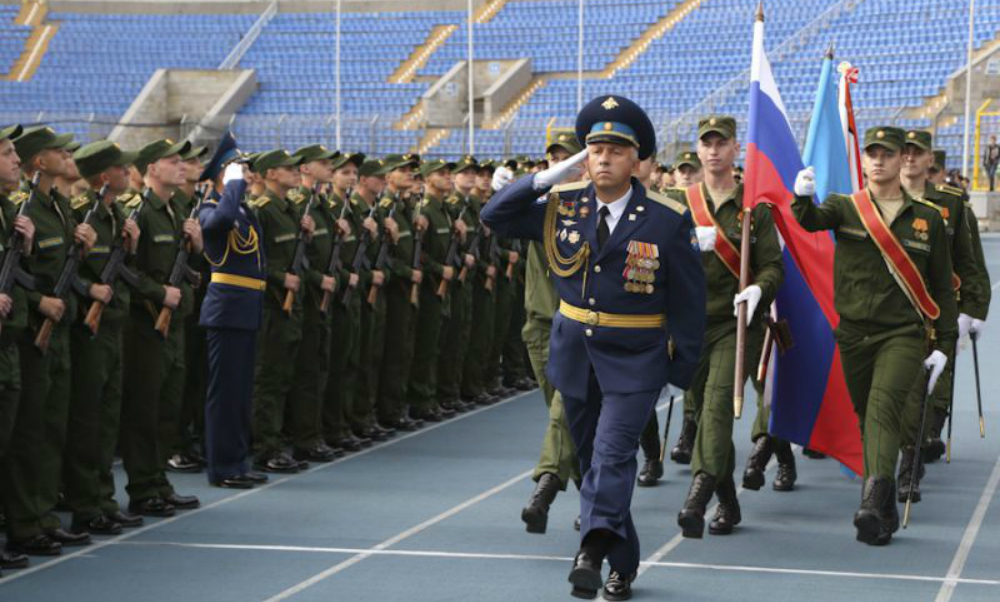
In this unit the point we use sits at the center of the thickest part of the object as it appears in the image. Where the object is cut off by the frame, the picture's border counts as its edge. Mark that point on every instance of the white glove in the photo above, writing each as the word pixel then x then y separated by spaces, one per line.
pixel 501 177
pixel 234 171
pixel 964 325
pixel 805 182
pixel 560 172
pixel 935 362
pixel 977 327
pixel 706 237
pixel 751 295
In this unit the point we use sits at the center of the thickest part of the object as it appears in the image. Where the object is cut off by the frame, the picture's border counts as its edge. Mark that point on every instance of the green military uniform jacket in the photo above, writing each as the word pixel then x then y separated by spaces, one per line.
pixel 279 222
pixel 17 320
pixel 437 239
pixel 107 221
pixel 866 295
pixel 320 248
pixel 401 262
pixel 362 210
pixel 54 226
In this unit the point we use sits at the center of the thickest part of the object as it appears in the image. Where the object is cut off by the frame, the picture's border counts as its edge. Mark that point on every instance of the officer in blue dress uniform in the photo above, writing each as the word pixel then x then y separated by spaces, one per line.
pixel 631 317
pixel 231 314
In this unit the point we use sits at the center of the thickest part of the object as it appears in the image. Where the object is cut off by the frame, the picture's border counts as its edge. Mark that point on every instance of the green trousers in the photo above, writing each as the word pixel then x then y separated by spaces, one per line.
pixel 341 384
pixel 455 342
pixel 503 309
pixel 881 370
pixel 150 364
pixel 480 339
pixel 10 399
pixel 312 368
pixel 426 350
pixel 399 337
pixel 172 398
pixel 95 408
pixel 191 423
pixel 712 392
pixel 279 340
pixel 370 349
pixel 513 364
pixel 558 455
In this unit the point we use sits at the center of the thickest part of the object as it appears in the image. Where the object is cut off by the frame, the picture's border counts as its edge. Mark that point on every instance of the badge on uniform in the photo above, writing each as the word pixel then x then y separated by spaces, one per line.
pixel 584 211
pixel 567 208
pixel 920 228
pixel 640 267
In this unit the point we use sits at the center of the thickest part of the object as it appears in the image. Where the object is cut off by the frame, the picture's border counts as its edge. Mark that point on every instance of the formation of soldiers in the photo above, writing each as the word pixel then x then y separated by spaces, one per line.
pixel 388 306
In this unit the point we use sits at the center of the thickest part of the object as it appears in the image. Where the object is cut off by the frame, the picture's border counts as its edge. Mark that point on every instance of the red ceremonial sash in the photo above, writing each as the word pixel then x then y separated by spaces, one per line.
pixel 725 250
pixel 894 253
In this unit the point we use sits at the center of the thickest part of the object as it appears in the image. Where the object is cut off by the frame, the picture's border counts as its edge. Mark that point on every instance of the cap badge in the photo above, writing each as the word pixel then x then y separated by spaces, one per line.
pixel 610 103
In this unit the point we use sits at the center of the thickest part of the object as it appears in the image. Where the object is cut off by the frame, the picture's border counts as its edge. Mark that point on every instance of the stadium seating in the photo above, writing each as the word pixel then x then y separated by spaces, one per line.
pixel 12 37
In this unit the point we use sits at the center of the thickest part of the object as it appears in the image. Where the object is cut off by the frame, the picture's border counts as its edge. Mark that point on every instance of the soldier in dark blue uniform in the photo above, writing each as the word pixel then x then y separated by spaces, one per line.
pixel 231 312
pixel 631 316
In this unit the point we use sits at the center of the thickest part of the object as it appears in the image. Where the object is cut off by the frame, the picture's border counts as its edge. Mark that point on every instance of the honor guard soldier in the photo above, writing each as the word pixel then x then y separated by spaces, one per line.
pixel 37 447
pixel 631 316
pixel 282 229
pixel 96 348
pixel 153 357
pixel 14 316
pixel 898 315
pixel 231 313
pixel 716 206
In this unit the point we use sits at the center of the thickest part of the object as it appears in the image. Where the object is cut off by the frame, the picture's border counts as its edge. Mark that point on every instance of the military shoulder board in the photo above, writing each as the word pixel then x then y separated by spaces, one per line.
pixel 79 201
pixel 296 196
pixel 385 203
pixel 19 197
pixel 259 202
pixel 129 199
pixel 453 200
pixel 570 187
pixel 666 202
pixel 951 190
pixel 933 206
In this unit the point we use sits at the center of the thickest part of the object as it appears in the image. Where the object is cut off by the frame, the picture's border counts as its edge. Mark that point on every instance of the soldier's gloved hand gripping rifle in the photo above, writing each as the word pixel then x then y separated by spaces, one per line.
pixel 178 274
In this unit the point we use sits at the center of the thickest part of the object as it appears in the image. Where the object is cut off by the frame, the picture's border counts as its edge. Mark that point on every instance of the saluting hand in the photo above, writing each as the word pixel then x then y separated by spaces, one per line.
pixel 26 227
pixel 560 172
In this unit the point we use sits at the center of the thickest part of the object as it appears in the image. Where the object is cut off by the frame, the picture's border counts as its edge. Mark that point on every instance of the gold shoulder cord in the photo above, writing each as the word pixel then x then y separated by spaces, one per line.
pixel 564 267
pixel 242 245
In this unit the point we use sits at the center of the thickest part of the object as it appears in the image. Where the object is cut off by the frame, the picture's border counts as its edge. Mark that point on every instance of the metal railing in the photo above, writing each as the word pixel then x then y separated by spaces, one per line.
pixel 241 48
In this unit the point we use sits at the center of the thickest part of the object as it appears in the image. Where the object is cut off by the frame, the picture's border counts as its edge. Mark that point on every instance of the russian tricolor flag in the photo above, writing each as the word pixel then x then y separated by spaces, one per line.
pixel 810 404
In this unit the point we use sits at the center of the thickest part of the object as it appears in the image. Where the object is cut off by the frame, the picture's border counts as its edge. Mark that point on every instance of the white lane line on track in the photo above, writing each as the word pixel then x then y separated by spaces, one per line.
pixel 969 538
pixel 361 555
pixel 87 550
pixel 549 558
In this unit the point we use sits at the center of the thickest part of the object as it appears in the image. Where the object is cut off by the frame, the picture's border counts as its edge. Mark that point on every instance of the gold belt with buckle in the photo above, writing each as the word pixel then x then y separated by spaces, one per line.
pixel 240 281
pixel 600 318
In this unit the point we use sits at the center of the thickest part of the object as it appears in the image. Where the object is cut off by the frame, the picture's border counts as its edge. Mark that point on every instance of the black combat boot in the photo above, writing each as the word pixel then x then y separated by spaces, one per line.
pixel 753 475
pixel 536 514
pixel 681 453
pixel 692 517
pixel 728 514
pixel 890 519
pixel 909 475
pixel 934 447
pixel 785 479
pixel 652 470
pixel 868 518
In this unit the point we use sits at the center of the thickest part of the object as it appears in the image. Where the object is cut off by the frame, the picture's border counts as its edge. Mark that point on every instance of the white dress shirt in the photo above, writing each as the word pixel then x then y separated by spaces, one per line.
pixel 615 210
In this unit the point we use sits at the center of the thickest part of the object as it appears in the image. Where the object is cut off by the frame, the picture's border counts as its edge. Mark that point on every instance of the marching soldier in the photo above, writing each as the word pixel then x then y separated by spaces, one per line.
pixel 628 281
pixel 96 394
pixel 154 360
pixel 281 333
pixel 35 452
pixel 716 205
pixel 898 315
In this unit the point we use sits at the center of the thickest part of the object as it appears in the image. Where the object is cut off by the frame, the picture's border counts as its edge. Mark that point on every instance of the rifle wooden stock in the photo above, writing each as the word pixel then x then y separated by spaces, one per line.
pixel 442 288
pixel 463 273
pixel 510 271
pixel 44 334
pixel 93 318
pixel 324 303
pixel 289 301
pixel 373 294
pixel 162 325
pixel 741 318
pixel 415 294
pixel 489 284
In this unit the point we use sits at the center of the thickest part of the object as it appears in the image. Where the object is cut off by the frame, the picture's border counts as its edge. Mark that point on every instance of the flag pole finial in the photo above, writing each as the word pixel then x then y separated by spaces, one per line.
pixel 829 50
pixel 760 11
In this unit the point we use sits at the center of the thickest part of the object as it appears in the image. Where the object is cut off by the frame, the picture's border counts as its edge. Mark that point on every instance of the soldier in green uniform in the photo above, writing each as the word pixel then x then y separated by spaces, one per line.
pixel 96 394
pixel 557 463
pixel 973 295
pixel 462 204
pixel 938 173
pixel 898 315
pixel 152 362
pixel 14 313
pixel 717 208
pixel 688 169
pixel 281 334
pixel 35 452
pixel 388 181
pixel 312 364
pixel 434 295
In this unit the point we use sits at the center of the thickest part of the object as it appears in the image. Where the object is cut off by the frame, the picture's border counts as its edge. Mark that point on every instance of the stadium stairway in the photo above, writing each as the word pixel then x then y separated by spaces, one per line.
pixel 32 14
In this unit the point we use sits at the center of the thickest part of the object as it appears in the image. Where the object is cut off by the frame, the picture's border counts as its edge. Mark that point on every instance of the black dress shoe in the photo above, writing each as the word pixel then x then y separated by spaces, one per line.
pixel 13 560
pixel 315 454
pixel 237 482
pixel 257 477
pixel 650 474
pixel 182 502
pixel 372 433
pixel 183 463
pixel 401 424
pixel 69 539
pixel 277 464
pixel 128 521
pixel 39 545
pixel 427 415
pixel 618 586
pixel 151 507
pixel 586 575
pixel 446 412
pixel 523 384
pixel 348 444
pixel 485 399
pixel 387 431
pixel 101 525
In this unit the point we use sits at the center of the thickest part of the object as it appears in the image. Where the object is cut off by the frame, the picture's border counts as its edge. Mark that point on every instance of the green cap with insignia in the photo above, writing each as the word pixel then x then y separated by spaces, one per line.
pixel 10 132
pixel 36 139
pixel 73 146
pixel 466 162
pixel 487 165
pixel 939 158
pixel 358 159
pixel 95 157
pixel 920 138
pixel 159 149
pixel 195 152
pixel 399 161
pixel 723 125
pixel 273 160
pixel 429 167
pixel 687 158
pixel 564 138
pixel 886 136
pixel 316 152
pixel 374 167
